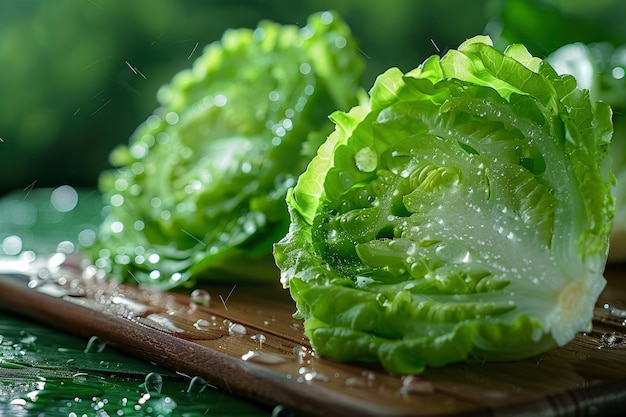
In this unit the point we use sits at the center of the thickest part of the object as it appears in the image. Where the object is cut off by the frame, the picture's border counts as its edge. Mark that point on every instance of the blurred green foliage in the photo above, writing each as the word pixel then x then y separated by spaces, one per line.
pixel 77 77
pixel 543 26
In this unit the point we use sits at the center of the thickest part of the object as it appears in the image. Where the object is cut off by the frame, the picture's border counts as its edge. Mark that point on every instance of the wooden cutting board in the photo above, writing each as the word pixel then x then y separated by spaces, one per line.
pixel 246 341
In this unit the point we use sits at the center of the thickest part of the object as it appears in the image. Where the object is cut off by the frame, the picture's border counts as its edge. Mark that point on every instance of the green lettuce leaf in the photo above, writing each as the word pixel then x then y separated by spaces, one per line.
pixel 463 214
pixel 200 189
pixel 601 68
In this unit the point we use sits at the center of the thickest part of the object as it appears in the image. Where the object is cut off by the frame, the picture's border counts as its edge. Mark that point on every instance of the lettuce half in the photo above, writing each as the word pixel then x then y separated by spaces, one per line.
pixel 200 189
pixel 463 215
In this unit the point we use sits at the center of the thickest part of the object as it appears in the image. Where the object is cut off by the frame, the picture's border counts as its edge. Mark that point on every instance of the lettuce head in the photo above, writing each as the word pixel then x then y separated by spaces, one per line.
pixel 463 214
pixel 200 189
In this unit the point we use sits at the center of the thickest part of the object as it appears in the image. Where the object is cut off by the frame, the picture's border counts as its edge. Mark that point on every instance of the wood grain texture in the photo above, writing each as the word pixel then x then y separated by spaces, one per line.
pixel 246 341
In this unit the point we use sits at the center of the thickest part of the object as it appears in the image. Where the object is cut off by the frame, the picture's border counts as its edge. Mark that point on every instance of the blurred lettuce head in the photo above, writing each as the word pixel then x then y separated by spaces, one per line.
pixel 463 214
pixel 200 189
pixel 601 68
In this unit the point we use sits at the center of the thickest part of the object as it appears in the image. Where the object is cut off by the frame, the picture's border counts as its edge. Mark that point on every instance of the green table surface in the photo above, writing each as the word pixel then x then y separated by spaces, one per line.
pixel 47 372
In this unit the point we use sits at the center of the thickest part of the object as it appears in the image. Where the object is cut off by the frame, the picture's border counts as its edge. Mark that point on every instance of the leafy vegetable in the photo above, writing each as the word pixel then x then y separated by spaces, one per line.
pixel 202 185
pixel 601 68
pixel 464 214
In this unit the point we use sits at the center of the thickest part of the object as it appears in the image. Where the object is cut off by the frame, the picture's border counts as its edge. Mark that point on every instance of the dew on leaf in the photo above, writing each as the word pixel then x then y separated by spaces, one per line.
pixel 95 345
pixel 153 382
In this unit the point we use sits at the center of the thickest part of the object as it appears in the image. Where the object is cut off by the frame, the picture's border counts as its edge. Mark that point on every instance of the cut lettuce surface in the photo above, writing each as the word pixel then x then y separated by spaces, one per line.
pixel 199 192
pixel 462 215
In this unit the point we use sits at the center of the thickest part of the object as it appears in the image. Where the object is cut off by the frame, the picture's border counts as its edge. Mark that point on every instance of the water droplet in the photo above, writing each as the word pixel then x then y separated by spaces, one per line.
pixel 366 159
pixel 305 68
pixel 236 329
pixel 300 352
pixel 265 358
pixel 279 130
pixel 308 375
pixel 614 312
pixel 164 322
pixel 274 95
pixel 171 118
pixel 260 338
pixel 246 167
pixel 281 411
pixel 12 245
pixel 287 124
pixel 340 42
pixel 139 150
pixel 326 18
pixel 396 160
pixel 220 100
pixel 381 298
pixel 95 344
pixel 259 34
pixel 64 198
pixel 20 402
pixel 131 305
pixel 612 340
pixel 199 297
pixel 117 227
pixel 153 382
pixel 453 252
pixel 413 384
pixel 202 324
pixel 27 338
pixel 196 385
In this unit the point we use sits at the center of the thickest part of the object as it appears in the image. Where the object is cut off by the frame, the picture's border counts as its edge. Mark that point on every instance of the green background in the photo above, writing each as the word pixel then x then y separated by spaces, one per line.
pixel 68 94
